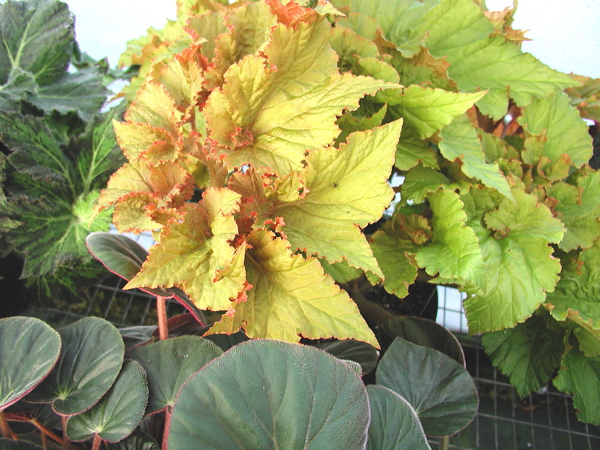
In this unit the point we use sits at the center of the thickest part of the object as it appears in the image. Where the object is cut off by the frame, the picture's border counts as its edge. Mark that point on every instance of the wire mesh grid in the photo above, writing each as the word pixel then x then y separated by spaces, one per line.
pixel 544 420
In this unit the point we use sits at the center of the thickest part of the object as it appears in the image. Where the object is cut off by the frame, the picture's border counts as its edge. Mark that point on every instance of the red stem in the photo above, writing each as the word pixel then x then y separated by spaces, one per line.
pixel 97 442
pixel 5 427
pixel 167 427
pixel 66 441
pixel 161 311
pixel 46 432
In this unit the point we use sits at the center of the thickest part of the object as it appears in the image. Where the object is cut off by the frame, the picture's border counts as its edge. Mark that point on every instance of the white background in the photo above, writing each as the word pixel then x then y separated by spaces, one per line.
pixel 565 33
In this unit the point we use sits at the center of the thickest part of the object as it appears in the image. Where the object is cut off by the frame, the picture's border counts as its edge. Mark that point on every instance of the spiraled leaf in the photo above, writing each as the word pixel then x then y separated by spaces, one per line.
pixel 269 394
pixel 118 413
pixel 90 360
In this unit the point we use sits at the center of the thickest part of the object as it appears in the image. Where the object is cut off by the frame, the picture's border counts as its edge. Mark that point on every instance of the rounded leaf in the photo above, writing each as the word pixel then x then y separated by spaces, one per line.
pixel 364 354
pixel 170 363
pixel 29 348
pixel 90 360
pixel 423 332
pixel 118 413
pixel 394 423
pixel 439 389
pixel 271 394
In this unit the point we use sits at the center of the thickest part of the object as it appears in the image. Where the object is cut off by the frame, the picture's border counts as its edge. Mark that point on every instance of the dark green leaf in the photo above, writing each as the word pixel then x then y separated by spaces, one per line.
pixel 394 423
pixel 36 36
pixel 271 394
pixel 440 390
pixel 421 332
pixel 364 354
pixel 118 413
pixel 29 348
pixel 53 233
pixel 169 363
pixel 17 88
pixel 528 354
pixel 138 440
pixel 9 444
pixel 82 92
pixel 91 358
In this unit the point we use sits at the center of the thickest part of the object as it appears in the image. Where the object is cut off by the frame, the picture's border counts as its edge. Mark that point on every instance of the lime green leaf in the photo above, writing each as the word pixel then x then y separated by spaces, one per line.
pixel 429 110
pixel 412 150
pixel 276 106
pixel 589 341
pixel 454 252
pixel 576 296
pixel 495 64
pixel 327 220
pixel 527 354
pixel 420 182
pixel 580 376
pixel 267 395
pixel 349 46
pixel 36 37
pixel 341 272
pixel 579 210
pixel 196 254
pixel 518 264
pixel 399 20
pixel 459 140
pixel 284 303
pixel 393 253
pixel 562 125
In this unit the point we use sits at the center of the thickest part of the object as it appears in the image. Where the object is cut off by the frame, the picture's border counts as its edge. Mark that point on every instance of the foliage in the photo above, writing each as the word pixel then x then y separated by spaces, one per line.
pixel 260 138
pixel 82 384
pixel 58 150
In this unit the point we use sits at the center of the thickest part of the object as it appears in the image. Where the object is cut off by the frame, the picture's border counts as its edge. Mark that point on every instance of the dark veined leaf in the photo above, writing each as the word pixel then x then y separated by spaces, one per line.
pixel 29 348
pixel 36 36
pixel 9 444
pixel 440 390
pixel 81 91
pixel 118 413
pixel 271 394
pixel 90 360
pixel 170 363
pixel 394 422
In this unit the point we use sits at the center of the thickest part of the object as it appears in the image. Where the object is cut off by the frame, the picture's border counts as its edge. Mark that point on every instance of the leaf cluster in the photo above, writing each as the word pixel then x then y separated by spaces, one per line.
pixel 58 149
pixel 260 139
pixel 81 383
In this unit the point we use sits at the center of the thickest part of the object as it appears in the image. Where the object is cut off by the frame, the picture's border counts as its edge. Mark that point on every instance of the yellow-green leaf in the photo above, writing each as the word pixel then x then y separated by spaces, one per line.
pixel 347 190
pixel 197 255
pixel 292 297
